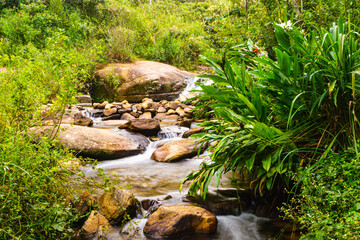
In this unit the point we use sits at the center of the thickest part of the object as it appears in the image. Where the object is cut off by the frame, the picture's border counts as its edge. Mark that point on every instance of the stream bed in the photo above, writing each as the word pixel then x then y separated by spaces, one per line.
pixel 159 181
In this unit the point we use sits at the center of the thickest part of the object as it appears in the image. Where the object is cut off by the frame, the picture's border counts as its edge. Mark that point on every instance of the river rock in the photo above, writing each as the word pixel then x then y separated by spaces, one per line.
pixel 180 111
pixel 148 127
pixel 90 142
pixel 176 150
pixel 139 80
pixel 169 221
pixel 95 112
pixel 170 119
pixel 95 224
pixel 192 131
pixel 83 204
pixel 83 99
pixel 161 110
pixel 70 116
pixel 136 138
pixel 114 123
pixel 146 115
pixel 112 117
pixel 115 205
pixel 110 111
pixel 101 105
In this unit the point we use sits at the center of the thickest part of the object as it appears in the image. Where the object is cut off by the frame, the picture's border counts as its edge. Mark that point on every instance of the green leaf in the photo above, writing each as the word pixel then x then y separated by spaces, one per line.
pixel 250 162
pixel 267 162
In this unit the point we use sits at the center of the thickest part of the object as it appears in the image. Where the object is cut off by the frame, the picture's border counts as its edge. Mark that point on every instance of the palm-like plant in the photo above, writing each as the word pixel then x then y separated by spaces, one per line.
pixel 287 112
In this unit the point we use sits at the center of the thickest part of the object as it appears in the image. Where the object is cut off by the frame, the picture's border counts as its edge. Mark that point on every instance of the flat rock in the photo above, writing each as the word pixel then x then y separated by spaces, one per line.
pixel 137 138
pixel 170 221
pixel 176 150
pixel 90 142
pixel 143 79
pixel 114 123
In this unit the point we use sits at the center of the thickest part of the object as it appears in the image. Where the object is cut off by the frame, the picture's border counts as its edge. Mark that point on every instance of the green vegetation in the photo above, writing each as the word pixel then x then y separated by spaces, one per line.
pixel 275 117
pixel 285 102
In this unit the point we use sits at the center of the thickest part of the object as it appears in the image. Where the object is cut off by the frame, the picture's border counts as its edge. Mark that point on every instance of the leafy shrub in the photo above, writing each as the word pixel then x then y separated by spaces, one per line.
pixel 288 112
pixel 328 205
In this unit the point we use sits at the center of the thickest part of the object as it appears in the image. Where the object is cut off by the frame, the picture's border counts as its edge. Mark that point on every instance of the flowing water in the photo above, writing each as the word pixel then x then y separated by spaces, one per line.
pixel 160 181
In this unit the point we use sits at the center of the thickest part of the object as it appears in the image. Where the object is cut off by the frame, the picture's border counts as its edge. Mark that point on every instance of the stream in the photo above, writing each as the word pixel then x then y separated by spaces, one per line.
pixel 160 181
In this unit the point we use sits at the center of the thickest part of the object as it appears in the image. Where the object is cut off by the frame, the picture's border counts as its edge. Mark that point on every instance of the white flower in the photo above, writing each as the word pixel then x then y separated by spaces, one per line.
pixel 285 26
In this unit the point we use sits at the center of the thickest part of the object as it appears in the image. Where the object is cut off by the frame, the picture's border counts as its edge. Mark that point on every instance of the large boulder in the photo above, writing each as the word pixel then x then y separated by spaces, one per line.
pixel 136 138
pixel 115 205
pixel 95 224
pixel 71 116
pixel 169 221
pixel 148 127
pixel 136 81
pixel 90 142
pixel 176 150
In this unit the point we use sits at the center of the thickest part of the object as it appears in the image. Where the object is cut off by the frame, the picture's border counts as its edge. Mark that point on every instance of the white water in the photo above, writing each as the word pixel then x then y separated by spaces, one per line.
pixel 191 86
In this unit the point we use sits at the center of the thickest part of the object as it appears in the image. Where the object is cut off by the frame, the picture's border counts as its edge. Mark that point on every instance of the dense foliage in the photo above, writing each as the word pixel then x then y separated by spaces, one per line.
pixel 276 116
pixel 280 112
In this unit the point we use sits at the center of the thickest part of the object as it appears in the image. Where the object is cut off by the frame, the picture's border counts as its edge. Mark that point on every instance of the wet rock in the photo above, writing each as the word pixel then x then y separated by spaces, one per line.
pixel 185 122
pixel 160 116
pixel 127 116
pixel 83 99
pixel 101 105
pixel 110 111
pixel 174 105
pixel 136 138
pixel 146 115
pixel 141 79
pixel 188 110
pixel 146 204
pixel 81 120
pixel 116 204
pixel 148 127
pixel 95 224
pixel 112 117
pixel 95 112
pixel 176 150
pixel 90 142
pixel 169 221
pixel 126 105
pixel 154 138
pixel 84 203
pixel 192 131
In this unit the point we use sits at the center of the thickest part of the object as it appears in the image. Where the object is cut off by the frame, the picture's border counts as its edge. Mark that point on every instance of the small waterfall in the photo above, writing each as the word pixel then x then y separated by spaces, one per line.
pixel 88 114
pixel 191 85
pixel 172 132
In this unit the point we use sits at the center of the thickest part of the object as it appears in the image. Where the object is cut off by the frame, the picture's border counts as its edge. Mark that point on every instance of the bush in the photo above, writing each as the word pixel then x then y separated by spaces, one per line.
pixel 328 205
pixel 285 114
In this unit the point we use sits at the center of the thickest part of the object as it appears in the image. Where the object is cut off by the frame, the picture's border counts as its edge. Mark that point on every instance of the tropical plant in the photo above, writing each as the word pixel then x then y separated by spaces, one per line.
pixel 285 114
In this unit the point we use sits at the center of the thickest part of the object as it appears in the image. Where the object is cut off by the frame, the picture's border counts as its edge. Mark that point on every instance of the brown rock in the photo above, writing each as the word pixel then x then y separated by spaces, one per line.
pixel 148 127
pixel 90 142
pixel 192 131
pixel 110 111
pixel 170 119
pixel 160 116
pixel 71 116
pixel 161 110
pixel 174 105
pixel 180 111
pixel 170 111
pixel 114 123
pixel 83 99
pixel 101 105
pixel 185 122
pixel 116 204
pixel 141 79
pixel 176 150
pixel 169 221
pixel 95 224
pixel 146 115
pixel 83 204
pixel 127 116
